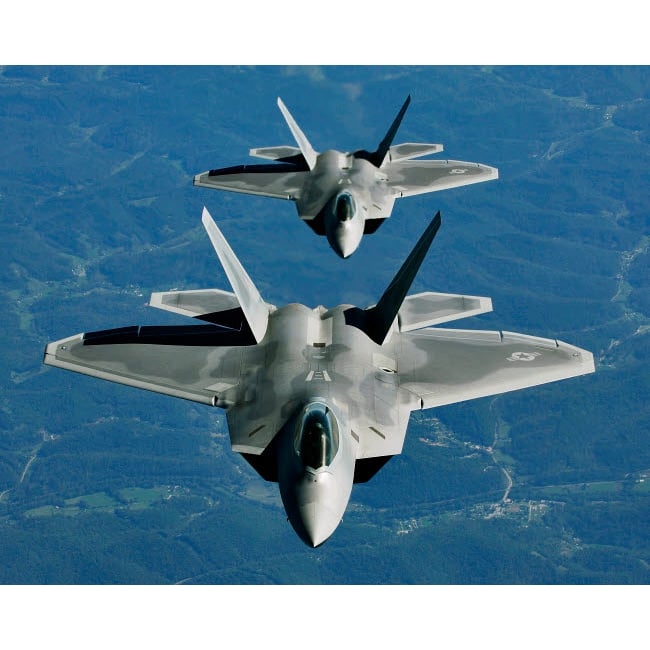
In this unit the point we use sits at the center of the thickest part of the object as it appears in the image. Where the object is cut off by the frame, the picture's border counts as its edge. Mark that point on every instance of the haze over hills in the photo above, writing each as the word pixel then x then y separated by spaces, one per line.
pixel 104 484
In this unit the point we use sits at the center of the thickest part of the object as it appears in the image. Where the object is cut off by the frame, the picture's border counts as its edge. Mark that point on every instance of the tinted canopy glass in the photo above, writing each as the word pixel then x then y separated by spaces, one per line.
pixel 344 207
pixel 317 436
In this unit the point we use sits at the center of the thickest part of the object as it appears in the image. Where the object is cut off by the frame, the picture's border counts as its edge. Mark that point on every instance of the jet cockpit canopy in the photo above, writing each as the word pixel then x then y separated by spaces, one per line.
pixel 317 435
pixel 344 207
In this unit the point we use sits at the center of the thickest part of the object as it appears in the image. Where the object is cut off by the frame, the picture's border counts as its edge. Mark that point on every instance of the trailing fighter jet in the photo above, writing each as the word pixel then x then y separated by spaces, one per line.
pixel 318 399
pixel 345 195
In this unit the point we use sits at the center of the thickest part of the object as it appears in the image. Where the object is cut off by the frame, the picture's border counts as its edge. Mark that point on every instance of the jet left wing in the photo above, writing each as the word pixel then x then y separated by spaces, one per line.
pixel 411 177
pixel 441 366
pixel 195 372
pixel 277 180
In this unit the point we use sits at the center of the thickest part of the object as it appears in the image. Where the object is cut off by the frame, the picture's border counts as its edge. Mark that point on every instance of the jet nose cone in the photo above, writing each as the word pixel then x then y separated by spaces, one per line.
pixel 345 252
pixel 318 522
pixel 344 245
pixel 344 236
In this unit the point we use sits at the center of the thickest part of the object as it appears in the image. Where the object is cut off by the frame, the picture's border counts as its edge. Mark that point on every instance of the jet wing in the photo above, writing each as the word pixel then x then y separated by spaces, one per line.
pixel 411 177
pixel 442 366
pixel 194 372
pixel 278 180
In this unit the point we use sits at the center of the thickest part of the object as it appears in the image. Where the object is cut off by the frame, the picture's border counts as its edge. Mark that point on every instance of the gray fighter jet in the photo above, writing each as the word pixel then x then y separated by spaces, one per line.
pixel 345 195
pixel 318 399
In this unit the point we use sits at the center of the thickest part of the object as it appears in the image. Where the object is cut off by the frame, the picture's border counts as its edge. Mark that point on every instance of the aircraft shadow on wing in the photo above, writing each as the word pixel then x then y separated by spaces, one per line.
pixel 345 195
pixel 318 399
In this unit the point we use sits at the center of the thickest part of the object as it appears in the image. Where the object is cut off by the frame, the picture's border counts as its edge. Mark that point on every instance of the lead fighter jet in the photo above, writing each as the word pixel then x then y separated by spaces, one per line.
pixel 318 399
pixel 345 195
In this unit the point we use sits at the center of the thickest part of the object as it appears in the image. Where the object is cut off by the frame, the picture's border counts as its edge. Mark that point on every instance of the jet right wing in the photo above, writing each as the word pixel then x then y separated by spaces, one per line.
pixel 441 366
pixel 411 177
pixel 277 180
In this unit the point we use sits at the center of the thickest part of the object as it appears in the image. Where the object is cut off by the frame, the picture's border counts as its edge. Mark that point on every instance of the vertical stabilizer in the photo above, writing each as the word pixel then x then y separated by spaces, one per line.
pixel 384 145
pixel 306 149
pixel 377 157
pixel 250 300
pixel 376 321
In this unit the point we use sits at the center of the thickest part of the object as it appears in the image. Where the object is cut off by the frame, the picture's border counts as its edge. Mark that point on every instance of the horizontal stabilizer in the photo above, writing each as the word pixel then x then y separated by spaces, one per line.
pixel 194 303
pixel 429 308
pixel 205 304
pixel 275 153
pixel 250 300
pixel 409 150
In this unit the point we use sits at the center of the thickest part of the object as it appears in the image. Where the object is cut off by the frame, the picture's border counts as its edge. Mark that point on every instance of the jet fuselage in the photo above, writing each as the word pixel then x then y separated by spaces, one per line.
pixel 345 196
pixel 342 192
pixel 318 399
pixel 316 455
pixel 310 358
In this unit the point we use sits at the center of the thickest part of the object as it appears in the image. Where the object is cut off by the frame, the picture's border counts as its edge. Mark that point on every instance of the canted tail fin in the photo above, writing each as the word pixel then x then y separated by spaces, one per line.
pixel 377 321
pixel 384 145
pixel 377 157
pixel 306 149
pixel 250 300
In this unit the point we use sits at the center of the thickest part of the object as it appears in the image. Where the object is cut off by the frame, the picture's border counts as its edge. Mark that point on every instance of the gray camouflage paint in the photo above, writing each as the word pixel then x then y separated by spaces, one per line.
pixel 308 355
